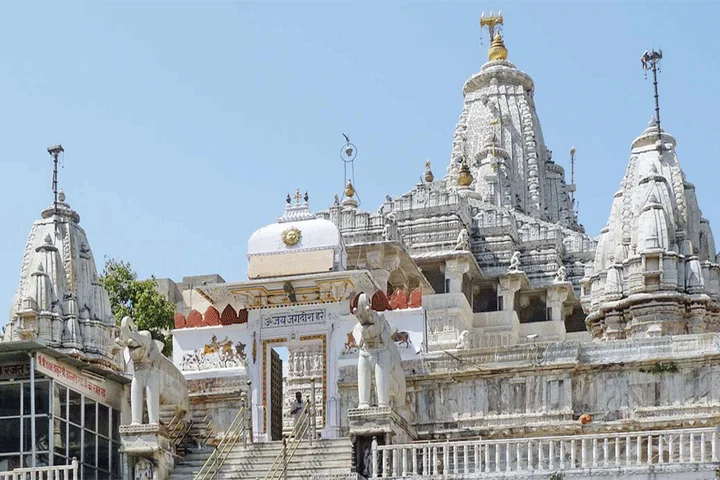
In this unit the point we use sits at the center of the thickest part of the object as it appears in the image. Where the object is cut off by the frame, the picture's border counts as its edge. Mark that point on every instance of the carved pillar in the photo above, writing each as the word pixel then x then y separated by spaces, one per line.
pixel 696 322
pixel 557 294
pixel 509 286
pixel 455 268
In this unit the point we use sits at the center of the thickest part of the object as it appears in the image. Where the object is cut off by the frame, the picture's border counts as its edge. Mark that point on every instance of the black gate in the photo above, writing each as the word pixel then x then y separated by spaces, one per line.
pixel 276 396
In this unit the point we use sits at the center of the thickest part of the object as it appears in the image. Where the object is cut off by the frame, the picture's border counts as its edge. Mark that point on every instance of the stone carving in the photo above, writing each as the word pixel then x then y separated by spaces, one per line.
pixel 560 276
pixel 215 354
pixel 350 345
pixel 514 262
pixel 144 469
pixel 154 376
pixel 378 354
pixel 463 240
pixel 694 281
pixel 655 243
pixel 463 342
pixel 386 232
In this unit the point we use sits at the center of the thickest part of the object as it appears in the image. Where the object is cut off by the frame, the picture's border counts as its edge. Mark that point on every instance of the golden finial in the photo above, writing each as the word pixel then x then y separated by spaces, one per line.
pixel 497 49
pixel 491 22
pixel 465 178
pixel 349 189
pixel 429 177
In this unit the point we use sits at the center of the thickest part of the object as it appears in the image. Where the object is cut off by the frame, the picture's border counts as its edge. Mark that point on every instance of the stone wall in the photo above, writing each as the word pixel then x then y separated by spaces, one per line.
pixel 543 389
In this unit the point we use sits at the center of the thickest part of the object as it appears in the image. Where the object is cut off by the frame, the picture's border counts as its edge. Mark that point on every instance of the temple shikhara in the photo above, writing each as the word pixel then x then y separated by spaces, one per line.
pixel 468 328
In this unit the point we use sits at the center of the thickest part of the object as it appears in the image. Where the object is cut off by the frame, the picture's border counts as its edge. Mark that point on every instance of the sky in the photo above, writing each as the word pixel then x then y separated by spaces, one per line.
pixel 185 124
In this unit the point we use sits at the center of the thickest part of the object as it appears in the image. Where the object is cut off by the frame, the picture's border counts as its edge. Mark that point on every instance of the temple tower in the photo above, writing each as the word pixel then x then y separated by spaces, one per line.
pixel 60 301
pixel 499 139
pixel 655 270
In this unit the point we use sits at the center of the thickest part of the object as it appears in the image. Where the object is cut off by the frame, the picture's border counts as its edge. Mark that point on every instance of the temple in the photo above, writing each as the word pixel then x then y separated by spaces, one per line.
pixel 467 328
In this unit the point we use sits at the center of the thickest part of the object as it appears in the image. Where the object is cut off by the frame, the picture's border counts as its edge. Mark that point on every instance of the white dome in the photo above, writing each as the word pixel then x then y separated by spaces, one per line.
pixel 298 243
pixel 316 233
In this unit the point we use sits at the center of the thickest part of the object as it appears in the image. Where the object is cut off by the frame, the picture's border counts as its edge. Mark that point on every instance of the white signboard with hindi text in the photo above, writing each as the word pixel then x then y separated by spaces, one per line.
pixel 307 317
pixel 106 392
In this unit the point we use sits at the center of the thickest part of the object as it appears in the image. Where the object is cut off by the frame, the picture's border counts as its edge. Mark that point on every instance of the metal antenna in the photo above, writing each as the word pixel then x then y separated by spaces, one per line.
pixel 55 151
pixel 651 61
pixel 571 187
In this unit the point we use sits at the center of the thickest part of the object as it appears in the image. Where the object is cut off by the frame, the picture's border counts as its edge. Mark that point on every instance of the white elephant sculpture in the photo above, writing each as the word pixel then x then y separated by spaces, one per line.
pixel 155 377
pixel 378 354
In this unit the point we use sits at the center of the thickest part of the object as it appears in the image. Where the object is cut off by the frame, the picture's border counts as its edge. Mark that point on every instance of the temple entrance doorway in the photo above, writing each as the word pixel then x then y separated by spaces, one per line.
pixel 276 393
pixel 293 365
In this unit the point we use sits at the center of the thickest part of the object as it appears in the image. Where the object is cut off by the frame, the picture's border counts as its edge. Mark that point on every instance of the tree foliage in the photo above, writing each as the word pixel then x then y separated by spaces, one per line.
pixel 138 299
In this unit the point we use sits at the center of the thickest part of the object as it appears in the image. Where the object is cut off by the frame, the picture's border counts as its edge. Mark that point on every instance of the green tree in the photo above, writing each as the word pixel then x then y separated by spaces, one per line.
pixel 138 299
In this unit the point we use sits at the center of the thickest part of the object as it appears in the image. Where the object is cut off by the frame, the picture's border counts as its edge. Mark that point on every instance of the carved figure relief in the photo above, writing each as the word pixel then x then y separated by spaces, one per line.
pixel 143 469
pixel 215 354
pixel 350 345
pixel 514 262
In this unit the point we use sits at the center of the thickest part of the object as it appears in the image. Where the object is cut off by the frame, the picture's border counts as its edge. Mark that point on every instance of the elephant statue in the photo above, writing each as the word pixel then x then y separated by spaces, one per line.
pixel 378 354
pixel 155 377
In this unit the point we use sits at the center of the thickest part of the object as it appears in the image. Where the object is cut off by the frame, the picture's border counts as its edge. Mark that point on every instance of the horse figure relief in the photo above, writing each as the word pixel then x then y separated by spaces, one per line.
pixel 378 355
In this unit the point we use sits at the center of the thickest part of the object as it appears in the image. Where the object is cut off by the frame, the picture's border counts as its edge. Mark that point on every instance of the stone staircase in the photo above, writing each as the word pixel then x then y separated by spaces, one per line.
pixel 198 432
pixel 324 457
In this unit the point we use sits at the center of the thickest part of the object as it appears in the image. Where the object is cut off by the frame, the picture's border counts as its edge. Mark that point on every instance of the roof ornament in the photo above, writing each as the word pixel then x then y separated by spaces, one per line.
pixel 572 187
pixel 55 152
pixel 651 61
pixel 348 153
pixel 298 211
pixel 429 177
pixel 497 49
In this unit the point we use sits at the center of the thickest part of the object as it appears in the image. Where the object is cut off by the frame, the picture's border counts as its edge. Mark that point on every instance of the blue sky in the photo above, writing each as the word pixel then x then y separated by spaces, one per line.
pixel 185 124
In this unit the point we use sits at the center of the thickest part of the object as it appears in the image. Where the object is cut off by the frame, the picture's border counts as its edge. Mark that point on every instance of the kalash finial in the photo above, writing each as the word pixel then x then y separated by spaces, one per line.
pixel 349 189
pixel 465 178
pixel 497 47
pixel 429 177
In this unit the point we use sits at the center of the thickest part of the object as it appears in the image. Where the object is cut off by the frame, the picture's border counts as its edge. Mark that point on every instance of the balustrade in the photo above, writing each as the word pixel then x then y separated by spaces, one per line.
pixel 579 452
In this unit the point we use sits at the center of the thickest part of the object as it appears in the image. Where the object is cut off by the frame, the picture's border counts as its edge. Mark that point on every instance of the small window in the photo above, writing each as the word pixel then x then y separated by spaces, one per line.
pixel 103 455
pixel 60 403
pixel 42 440
pixel 116 425
pixel 75 407
pixel 60 436
pixel 10 394
pixel 42 398
pixel 89 449
pixel 74 439
pixel 103 420
pixel 90 415
pixel 10 428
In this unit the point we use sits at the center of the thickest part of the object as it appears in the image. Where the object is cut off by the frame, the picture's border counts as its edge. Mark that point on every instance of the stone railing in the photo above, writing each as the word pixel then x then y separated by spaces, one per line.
pixel 630 450
pixel 58 472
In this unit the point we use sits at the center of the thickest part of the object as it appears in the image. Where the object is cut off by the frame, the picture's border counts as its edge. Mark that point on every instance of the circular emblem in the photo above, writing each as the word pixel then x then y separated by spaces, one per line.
pixel 291 236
